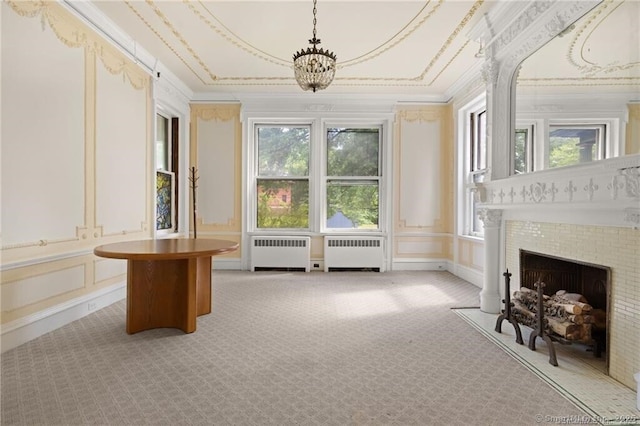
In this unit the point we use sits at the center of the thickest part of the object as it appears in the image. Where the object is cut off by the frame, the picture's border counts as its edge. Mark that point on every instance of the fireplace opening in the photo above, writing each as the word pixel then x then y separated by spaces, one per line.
pixel 573 277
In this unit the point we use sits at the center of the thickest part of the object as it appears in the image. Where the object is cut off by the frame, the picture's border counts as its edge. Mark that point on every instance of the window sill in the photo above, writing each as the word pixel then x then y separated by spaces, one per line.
pixel 164 236
pixel 475 238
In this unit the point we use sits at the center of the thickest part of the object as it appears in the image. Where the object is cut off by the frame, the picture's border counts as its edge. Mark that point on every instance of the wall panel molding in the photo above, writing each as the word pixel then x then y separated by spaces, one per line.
pixel 74 77
pixel 423 161
pixel 35 286
pixel 425 247
pixel 73 34
pixel 222 213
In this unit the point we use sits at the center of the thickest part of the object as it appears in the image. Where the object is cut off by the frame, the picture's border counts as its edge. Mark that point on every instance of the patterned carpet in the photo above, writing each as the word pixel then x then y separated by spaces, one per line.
pixel 280 348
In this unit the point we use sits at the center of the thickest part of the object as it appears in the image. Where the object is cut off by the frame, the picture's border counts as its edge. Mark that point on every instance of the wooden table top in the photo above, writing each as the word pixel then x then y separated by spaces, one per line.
pixel 171 248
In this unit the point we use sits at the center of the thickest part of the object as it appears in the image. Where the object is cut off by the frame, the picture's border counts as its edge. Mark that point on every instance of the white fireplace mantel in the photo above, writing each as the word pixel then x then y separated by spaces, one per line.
pixel 605 192
pixel 577 212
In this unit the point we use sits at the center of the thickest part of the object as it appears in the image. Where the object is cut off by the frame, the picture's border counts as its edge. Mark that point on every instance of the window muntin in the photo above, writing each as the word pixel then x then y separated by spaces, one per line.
pixel 352 181
pixel 282 181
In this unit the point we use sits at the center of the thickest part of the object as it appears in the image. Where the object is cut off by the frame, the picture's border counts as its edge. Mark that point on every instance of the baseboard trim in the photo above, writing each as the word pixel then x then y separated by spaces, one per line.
pixel 419 265
pixel 226 264
pixel 20 331
pixel 473 276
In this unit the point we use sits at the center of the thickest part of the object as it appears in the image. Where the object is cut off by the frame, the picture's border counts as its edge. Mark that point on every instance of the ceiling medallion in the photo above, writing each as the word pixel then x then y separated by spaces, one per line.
pixel 314 68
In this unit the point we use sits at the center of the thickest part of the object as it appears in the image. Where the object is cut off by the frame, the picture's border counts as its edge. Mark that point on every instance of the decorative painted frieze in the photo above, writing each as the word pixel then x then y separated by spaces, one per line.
pixel 570 189
pixel 591 189
pixel 632 216
pixel 603 183
pixel 631 176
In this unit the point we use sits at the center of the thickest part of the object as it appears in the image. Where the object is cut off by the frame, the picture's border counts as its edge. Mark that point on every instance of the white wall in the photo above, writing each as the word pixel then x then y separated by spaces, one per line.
pixel 76 167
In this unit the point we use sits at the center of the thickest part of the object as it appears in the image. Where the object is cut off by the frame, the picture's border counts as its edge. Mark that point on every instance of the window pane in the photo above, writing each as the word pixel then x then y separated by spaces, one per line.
pixel 283 151
pixel 572 145
pixel 478 131
pixel 482 141
pixel 520 152
pixel 352 205
pixel 283 203
pixel 353 152
pixel 162 143
pixel 477 226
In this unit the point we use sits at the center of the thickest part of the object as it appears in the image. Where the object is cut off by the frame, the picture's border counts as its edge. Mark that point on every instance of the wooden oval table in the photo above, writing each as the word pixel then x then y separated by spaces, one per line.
pixel 168 281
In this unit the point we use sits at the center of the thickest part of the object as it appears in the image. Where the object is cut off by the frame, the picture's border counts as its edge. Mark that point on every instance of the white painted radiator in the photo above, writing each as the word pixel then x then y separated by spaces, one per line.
pixel 280 252
pixel 354 253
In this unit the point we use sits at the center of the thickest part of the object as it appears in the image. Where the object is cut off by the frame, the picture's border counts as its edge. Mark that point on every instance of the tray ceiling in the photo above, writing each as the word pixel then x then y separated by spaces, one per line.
pixel 383 47
pixel 410 49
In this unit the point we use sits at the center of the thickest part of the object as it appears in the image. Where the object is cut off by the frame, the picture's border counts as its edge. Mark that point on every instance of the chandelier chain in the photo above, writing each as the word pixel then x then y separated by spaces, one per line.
pixel 315 10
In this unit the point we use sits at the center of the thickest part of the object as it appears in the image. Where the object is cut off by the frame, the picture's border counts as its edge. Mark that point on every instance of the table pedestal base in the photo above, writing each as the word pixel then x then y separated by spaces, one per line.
pixel 168 293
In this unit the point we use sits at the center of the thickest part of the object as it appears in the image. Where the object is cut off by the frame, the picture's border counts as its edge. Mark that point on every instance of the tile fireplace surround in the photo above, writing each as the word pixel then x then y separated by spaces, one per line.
pixel 617 248
pixel 591 214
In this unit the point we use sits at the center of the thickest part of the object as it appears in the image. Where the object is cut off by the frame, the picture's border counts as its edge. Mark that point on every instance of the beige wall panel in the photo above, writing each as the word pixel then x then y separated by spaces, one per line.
pixel 420 186
pixel 471 254
pixel 317 247
pixel 421 247
pixel 463 253
pixel 217 171
pixel 34 289
pixel 216 150
pixel 109 268
pixel 477 255
pixel 438 247
pixel 121 147
pixel 632 145
pixel 43 164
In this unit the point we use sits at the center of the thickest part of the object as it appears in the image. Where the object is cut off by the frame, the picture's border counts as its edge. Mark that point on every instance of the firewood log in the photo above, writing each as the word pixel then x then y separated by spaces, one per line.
pixel 576 319
pixel 552 306
pixel 522 309
pixel 585 307
pixel 564 329
pixel 571 296
pixel 569 308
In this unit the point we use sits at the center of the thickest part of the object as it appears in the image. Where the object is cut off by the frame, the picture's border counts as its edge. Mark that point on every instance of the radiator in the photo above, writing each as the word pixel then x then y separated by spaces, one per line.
pixel 354 253
pixel 280 252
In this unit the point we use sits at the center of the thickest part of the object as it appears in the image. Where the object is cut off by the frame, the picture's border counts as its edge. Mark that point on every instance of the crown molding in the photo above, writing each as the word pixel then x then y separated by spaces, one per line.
pixel 96 20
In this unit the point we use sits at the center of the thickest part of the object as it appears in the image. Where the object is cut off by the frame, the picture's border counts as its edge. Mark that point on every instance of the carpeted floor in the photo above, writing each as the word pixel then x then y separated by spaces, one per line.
pixel 279 348
pixel 579 376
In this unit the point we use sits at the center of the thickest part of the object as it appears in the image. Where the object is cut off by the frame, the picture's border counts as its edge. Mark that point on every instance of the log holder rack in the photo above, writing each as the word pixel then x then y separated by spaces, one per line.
pixel 538 331
pixel 506 312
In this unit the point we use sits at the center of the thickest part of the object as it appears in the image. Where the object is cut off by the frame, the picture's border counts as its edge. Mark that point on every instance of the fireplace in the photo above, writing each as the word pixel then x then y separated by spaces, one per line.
pixel 589 280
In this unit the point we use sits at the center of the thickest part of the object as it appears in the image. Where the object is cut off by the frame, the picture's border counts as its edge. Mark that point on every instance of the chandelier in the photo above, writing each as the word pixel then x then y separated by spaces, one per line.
pixel 314 68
